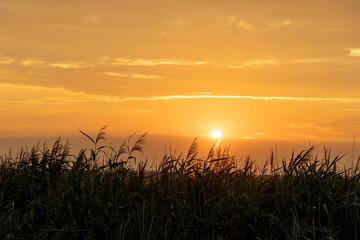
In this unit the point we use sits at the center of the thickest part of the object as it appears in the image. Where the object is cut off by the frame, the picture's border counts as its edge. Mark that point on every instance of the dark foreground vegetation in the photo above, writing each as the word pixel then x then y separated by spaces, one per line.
pixel 105 193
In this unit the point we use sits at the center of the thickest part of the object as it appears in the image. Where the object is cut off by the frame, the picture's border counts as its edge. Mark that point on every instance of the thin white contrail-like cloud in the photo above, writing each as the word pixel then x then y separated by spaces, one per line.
pixel 132 75
pixel 266 98
pixel 14 93
pixel 155 62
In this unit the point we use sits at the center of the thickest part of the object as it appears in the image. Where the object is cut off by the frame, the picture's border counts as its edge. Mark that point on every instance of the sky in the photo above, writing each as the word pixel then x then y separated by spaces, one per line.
pixel 252 69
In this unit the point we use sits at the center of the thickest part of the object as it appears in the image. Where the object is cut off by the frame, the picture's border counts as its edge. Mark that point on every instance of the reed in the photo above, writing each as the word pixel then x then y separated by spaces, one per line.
pixel 107 193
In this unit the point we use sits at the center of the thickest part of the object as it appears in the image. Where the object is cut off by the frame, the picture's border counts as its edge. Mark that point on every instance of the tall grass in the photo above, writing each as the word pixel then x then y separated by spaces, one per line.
pixel 107 193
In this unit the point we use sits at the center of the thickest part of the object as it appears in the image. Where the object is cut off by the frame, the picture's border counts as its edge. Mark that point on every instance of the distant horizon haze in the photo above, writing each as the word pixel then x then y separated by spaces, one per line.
pixel 157 145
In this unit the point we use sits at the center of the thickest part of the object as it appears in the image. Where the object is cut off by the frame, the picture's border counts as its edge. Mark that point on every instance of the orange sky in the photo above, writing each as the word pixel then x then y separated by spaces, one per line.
pixel 253 69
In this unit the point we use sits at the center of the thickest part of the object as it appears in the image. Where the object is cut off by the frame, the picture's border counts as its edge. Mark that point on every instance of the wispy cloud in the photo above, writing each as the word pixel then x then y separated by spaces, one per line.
pixel 155 62
pixel 279 24
pixel 254 63
pixel 240 23
pixel 41 63
pixel 31 62
pixel 326 60
pixel 104 61
pixel 260 134
pixel 145 110
pixel 244 25
pixel 29 94
pixel 348 109
pixel 266 98
pixel 302 125
pixel 353 52
pixel 75 65
pixel 317 126
pixel 309 60
pixel 7 61
pixel 40 95
pixel 332 127
pixel 132 75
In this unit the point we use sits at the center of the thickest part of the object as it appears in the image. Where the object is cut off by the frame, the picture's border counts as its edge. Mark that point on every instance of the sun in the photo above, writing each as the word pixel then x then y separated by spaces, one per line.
pixel 216 134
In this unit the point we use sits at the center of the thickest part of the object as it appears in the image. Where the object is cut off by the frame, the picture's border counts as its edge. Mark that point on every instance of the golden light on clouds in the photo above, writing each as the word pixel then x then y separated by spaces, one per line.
pixel 42 95
pixel 132 75
pixel 254 63
pixel 154 62
pixel 279 24
pixel 181 67
pixel 69 65
pixel 354 52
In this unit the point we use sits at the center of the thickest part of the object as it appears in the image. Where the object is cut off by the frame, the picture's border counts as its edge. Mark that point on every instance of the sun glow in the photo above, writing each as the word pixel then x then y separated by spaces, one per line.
pixel 216 134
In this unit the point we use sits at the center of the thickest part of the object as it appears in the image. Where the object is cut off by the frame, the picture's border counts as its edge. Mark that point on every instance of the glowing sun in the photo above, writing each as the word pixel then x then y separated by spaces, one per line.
pixel 216 134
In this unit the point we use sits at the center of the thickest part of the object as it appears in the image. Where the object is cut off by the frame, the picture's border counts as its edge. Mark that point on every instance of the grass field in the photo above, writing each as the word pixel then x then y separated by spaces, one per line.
pixel 106 193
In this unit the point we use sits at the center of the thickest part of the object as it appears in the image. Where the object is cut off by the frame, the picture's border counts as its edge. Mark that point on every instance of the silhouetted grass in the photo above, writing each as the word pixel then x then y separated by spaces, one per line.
pixel 106 193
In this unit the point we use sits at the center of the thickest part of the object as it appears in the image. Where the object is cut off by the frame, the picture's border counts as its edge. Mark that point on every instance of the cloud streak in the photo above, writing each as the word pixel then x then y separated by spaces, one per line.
pixel 264 98
pixel 7 61
pixel 279 24
pixel 309 60
pixel 240 23
pixel 332 127
pixel 47 95
pixel 255 63
pixel 155 62
pixel 105 61
pixel 70 65
pixel 354 52
pixel 131 75
pixel 31 62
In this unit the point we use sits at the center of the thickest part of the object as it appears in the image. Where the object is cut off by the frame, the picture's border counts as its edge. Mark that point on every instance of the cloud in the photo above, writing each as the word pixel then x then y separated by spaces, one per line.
pixel 154 62
pixel 41 63
pixel 348 109
pixel 265 98
pixel 263 62
pixel 240 23
pixel 353 52
pixel 260 134
pixel 279 24
pixel 254 63
pixel 7 61
pixel 318 126
pixel 107 61
pixel 247 138
pixel 132 75
pixel 244 25
pixel 75 65
pixel 346 61
pixel 31 62
pixel 310 60
pixel 145 110
pixel 327 60
pixel 26 94
pixel 333 127
pixel 302 125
